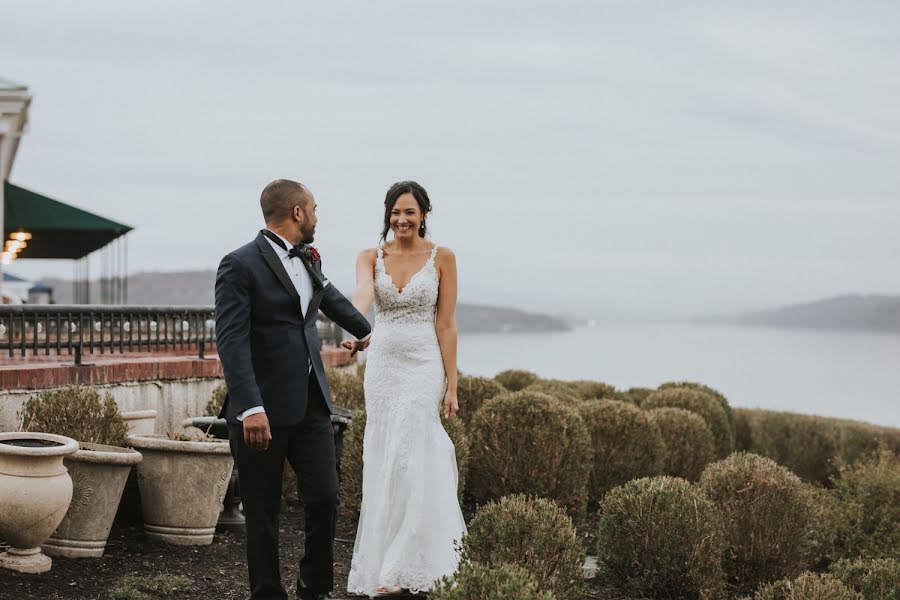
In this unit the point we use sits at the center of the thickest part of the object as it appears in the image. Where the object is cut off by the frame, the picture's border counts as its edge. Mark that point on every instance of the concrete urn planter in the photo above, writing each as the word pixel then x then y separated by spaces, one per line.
pixel 98 477
pixel 140 422
pixel 182 487
pixel 35 491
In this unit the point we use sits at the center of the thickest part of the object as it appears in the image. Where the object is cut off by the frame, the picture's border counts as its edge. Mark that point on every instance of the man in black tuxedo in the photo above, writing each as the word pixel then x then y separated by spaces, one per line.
pixel 268 295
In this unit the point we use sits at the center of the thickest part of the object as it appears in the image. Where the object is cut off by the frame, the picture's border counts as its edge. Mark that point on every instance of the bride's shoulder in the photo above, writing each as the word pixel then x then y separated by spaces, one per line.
pixel 368 255
pixel 443 254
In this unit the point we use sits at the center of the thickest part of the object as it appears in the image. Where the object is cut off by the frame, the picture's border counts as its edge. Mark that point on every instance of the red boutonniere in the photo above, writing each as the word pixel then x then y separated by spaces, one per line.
pixel 312 255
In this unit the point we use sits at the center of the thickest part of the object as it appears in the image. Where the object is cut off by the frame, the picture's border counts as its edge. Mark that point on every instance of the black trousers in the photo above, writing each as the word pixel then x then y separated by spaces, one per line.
pixel 309 448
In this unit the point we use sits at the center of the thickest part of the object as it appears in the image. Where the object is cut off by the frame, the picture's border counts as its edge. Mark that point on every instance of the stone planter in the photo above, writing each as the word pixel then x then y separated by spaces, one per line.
pixel 98 476
pixel 35 491
pixel 182 487
pixel 231 518
pixel 140 422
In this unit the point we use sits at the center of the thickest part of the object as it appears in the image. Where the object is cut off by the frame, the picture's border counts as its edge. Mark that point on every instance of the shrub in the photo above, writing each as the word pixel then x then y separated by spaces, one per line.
pixel 346 389
pixel 526 442
pixel 805 444
pixel 875 579
pixel 808 586
pixel 216 400
pixel 823 527
pixel 690 385
pixel 456 430
pixel 352 467
pixel 767 516
pixel 533 533
pixel 660 537
pixel 515 380
pixel 77 412
pixel 591 390
pixel 635 395
pixel 702 403
pixel 689 445
pixel 627 444
pixel 857 440
pixel 555 388
pixel 477 582
pixel 744 423
pixel 150 587
pixel 869 521
pixel 473 391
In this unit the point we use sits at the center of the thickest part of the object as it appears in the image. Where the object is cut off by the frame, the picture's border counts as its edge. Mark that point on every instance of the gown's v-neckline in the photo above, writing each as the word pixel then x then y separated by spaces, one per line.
pixel 398 289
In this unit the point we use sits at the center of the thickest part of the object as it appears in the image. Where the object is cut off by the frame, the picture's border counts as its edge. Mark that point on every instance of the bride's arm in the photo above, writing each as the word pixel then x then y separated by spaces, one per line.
pixel 445 325
pixel 364 295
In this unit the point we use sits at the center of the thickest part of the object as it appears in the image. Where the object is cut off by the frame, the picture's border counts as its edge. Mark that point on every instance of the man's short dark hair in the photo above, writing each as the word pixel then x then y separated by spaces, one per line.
pixel 280 197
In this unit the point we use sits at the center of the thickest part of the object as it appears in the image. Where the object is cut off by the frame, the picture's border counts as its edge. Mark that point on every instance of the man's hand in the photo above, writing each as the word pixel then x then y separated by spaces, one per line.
pixel 355 346
pixel 451 405
pixel 256 431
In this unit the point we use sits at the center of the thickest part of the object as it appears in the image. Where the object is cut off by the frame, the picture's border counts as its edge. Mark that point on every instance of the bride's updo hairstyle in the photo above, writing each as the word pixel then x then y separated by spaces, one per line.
pixel 397 190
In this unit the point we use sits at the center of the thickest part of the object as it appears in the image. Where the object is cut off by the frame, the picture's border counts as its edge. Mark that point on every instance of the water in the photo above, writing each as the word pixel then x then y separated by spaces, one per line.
pixel 840 374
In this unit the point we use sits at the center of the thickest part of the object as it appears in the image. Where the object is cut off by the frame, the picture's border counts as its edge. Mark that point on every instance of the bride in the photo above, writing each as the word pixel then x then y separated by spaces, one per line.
pixel 410 517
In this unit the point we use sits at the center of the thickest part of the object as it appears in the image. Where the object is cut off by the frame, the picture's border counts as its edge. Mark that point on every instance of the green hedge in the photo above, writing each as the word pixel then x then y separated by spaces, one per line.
pixel 660 537
pixel 478 582
pixel 808 586
pixel 874 578
pixel 689 444
pixel 473 391
pixel 767 514
pixel 690 385
pixel 533 533
pixel 627 444
pixel 634 395
pixel 515 380
pixel 869 518
pixel 346 388
pixel 527 442
pixel 78 412
pixel 704 404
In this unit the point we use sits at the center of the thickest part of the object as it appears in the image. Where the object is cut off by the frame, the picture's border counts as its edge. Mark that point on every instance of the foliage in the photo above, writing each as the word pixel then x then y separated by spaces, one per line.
pixel 479 582
pixel 527 442
pixel 150 587
pixel 472 392
pixel 869 518
pixel 688 441
pixel 216 400
pixel 704 404
pixel 533 533
pixel 77 412
pixel 627 444
pixel 515 380
pixel 874 578
pixel 808 586
pixel 767 515
pixel 660 537
pixel 346 388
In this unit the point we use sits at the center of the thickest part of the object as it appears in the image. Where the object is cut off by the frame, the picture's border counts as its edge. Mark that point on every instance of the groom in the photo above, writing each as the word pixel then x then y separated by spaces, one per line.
pixel 268 295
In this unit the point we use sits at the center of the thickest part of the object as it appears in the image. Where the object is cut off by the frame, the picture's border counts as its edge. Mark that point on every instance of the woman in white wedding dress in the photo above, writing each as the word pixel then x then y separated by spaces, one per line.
pixel 410 517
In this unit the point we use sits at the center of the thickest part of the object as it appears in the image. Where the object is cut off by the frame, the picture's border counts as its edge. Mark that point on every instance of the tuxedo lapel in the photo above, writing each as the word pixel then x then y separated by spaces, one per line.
pixel 277 267
pixel 312 312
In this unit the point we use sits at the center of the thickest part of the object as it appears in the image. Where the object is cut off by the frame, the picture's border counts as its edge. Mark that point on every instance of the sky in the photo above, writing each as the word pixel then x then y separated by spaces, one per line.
pixel 601 158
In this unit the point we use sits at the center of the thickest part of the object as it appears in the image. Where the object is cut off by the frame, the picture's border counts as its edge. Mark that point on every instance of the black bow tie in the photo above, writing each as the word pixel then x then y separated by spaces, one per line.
pixel 294 252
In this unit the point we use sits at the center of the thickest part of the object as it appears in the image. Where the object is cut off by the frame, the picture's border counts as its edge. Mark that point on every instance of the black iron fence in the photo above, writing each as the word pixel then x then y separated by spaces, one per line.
pixel 34 330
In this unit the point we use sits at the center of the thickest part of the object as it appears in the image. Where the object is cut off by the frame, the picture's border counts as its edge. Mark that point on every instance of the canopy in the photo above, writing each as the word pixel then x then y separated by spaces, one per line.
pixel 58 230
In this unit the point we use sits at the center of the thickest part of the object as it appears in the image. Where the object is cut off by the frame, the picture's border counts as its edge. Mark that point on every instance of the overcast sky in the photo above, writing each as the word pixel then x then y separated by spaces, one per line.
pixel 623 157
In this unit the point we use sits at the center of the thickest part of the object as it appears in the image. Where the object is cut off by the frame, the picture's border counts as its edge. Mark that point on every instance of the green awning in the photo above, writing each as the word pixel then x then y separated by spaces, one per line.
pixel 58 230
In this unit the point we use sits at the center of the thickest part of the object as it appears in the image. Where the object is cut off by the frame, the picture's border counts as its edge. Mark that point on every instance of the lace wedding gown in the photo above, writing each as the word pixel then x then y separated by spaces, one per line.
pixel 410 516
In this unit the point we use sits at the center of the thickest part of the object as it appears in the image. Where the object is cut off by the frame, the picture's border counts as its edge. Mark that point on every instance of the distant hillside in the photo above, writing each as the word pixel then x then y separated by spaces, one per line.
pixel 879 313
pixel 195 288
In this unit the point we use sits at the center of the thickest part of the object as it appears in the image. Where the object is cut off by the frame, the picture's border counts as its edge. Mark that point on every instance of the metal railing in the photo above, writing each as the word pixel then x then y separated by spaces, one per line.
pixel 33 330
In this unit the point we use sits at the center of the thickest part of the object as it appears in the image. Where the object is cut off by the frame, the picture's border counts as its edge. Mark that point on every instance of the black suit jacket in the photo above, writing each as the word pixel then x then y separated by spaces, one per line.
pixel 263 339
